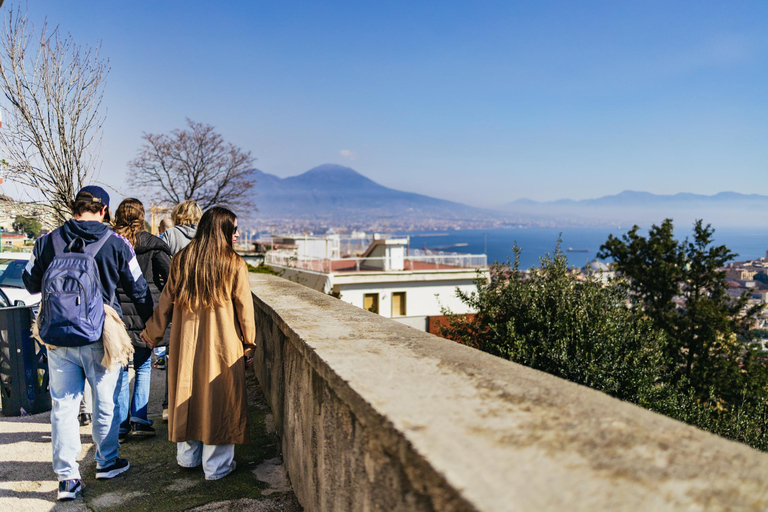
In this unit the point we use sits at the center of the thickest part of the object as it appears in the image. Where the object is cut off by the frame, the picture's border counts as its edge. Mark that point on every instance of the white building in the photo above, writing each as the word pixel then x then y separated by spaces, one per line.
pixel 388 278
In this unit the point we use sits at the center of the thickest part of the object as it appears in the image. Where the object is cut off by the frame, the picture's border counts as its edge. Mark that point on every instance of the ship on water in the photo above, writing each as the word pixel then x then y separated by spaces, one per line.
pixel 571 249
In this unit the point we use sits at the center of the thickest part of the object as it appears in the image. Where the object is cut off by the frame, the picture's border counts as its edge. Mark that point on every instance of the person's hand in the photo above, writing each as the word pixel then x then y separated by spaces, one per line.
pixel 146 339
pixel 248 358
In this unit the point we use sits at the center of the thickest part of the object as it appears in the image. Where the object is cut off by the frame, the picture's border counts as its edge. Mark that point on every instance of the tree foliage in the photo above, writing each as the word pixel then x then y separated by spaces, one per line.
pixel 625 338
pixel 54 88
pixel 262 269
pixel 193 163
pixel 29 225
pixel 703 332
pixel 761 277
pixel 757 334
pixel 549 320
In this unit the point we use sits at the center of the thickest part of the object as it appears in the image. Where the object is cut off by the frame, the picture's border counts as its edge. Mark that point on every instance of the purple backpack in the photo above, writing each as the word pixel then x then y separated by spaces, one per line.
pixel 72 304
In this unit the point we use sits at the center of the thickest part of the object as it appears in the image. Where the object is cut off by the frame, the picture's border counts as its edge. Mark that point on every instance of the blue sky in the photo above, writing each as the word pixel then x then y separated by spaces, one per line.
pixel 481 102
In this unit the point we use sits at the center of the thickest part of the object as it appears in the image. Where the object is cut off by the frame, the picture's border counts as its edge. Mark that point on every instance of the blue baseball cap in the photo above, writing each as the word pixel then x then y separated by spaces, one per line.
pixel 99 194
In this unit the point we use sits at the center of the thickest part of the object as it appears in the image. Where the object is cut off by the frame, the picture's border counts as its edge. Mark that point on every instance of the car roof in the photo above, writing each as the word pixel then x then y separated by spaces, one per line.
pixel 15 255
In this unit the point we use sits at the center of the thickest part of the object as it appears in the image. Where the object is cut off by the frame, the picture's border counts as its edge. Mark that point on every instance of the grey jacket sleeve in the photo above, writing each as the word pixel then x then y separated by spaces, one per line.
pixel 171 237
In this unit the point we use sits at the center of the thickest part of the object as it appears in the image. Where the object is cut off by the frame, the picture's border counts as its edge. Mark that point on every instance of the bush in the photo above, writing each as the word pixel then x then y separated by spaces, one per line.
pixel 584 331
pixel 578 330
pixel 262 269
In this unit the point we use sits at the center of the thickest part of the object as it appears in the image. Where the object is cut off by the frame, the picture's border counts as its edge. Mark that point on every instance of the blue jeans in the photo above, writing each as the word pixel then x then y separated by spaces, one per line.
pixel 133 408
pixel 69 368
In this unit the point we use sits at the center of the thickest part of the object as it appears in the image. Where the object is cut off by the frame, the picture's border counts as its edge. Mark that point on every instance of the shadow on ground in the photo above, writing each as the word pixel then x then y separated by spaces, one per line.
pixel 155 482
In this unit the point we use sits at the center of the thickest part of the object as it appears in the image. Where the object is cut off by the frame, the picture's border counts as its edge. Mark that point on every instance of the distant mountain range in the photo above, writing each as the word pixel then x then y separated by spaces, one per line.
pixel 339 195
pixel 334 191
pixel 644 208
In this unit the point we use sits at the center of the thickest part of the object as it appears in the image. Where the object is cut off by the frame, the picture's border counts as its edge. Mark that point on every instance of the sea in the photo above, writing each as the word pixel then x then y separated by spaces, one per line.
pixel 580 244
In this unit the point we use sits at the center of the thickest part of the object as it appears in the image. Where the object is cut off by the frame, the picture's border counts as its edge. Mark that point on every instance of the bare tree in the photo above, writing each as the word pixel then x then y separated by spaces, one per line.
pixel 55 89
pixel 194 163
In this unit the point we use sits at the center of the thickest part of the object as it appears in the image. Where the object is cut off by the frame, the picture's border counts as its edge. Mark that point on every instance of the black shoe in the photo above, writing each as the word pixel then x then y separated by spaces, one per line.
pixel 70 489
pixel 142 430
pixel 84 418
pixel 117 467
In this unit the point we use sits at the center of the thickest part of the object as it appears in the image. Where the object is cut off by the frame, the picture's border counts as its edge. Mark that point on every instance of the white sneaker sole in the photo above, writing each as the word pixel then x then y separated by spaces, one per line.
pixel 70 495
pixel 105 475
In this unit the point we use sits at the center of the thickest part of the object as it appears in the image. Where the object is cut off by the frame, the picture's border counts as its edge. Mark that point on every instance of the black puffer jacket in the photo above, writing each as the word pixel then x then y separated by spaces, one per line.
pixel 154 257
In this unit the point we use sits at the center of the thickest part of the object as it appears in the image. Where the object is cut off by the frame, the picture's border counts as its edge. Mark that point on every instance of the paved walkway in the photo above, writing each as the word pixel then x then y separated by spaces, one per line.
pixel 154 482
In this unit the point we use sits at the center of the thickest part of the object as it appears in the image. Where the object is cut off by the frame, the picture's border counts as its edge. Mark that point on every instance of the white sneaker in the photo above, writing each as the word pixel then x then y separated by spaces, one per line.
pixel 117 467
pixel 70 489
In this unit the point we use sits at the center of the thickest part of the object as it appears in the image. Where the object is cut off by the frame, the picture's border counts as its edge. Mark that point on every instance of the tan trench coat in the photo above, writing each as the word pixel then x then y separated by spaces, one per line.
pixel 206 370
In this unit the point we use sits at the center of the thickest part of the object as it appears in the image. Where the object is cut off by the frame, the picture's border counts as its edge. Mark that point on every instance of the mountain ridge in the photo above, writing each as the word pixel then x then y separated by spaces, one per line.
pixel 331 190
pixel 638 207
pixel 335 194
pixel 637 194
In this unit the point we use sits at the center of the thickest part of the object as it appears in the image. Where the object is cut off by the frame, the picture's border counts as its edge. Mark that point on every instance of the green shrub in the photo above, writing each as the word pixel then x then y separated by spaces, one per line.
pixel 587 332
pixel 578 330
pixel 262 269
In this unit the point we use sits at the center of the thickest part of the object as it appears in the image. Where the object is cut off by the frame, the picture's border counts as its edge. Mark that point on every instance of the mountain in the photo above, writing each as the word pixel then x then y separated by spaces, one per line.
pixel 336 195
pixel 644 208
pixel 336 192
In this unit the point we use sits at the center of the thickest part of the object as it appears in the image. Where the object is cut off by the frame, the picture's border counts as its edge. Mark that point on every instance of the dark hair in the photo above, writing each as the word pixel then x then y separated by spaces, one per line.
pixel 84 203
pixel 129 219
pixel 203 272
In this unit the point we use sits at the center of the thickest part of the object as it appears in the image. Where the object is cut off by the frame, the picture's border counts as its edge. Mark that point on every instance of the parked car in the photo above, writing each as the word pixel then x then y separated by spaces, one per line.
pixel 11 267
pixel 5 302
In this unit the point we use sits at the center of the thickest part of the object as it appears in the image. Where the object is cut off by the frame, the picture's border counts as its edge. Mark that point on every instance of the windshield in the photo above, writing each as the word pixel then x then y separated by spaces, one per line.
pixel 11 273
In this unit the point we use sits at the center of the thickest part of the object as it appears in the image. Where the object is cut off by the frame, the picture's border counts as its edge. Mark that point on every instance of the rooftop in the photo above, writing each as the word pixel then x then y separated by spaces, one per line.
pixel 379 254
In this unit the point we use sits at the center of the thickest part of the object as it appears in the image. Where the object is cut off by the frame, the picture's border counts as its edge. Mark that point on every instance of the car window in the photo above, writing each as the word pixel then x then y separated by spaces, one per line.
pixel 4 302
pixel 12 271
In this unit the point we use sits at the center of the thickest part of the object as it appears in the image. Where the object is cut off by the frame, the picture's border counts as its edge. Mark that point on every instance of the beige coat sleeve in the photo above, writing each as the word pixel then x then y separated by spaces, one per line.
pixel 243 302
pixel 155 328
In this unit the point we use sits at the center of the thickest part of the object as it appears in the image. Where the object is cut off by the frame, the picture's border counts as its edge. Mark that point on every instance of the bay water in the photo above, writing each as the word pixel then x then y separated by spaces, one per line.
pixel 583 242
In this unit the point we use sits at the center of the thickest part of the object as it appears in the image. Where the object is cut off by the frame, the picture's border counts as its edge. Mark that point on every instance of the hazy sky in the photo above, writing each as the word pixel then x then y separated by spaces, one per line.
pixel 476 101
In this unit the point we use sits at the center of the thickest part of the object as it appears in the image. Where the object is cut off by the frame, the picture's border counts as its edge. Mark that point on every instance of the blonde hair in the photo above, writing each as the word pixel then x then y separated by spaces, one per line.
pixel 129 219
pixel 186 213
pixel 203 272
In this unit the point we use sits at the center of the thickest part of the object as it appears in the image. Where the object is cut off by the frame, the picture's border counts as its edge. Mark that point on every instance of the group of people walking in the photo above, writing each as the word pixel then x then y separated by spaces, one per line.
pixel 193 280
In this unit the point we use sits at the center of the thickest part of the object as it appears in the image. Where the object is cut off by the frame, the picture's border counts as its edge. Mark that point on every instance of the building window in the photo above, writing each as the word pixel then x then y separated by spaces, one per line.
pixel 398 304
pixel 371 302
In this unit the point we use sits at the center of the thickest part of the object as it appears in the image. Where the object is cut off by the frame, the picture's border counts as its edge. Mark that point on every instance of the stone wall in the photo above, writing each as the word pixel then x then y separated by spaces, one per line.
pixel 375 415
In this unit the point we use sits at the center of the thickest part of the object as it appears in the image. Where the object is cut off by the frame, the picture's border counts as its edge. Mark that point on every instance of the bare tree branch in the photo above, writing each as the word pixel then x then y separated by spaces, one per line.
pixel 194 163
pixel 55 89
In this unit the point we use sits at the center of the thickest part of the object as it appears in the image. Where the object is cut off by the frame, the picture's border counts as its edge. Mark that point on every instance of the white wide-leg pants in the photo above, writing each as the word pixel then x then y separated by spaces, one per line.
pixel 217 460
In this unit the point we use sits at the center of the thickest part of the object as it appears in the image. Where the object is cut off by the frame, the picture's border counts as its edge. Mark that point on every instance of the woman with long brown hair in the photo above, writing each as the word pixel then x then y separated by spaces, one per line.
pixel 208 299
pixel 154 259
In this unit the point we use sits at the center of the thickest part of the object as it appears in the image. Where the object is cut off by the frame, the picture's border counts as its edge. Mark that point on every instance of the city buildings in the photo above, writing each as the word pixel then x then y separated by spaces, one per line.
pixel 381 274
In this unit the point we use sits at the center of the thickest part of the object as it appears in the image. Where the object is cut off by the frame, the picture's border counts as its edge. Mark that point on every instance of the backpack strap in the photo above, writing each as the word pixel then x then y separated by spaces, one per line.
pixel 93 249
pixel 78 245
pixel 59 245
pixel 96 246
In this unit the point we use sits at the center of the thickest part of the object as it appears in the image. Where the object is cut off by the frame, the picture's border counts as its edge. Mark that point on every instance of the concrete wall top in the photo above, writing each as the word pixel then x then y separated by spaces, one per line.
pixel 503 436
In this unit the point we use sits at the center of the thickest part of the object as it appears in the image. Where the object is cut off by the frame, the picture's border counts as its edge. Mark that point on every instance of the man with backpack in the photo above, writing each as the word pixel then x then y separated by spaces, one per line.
pixel 63 267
